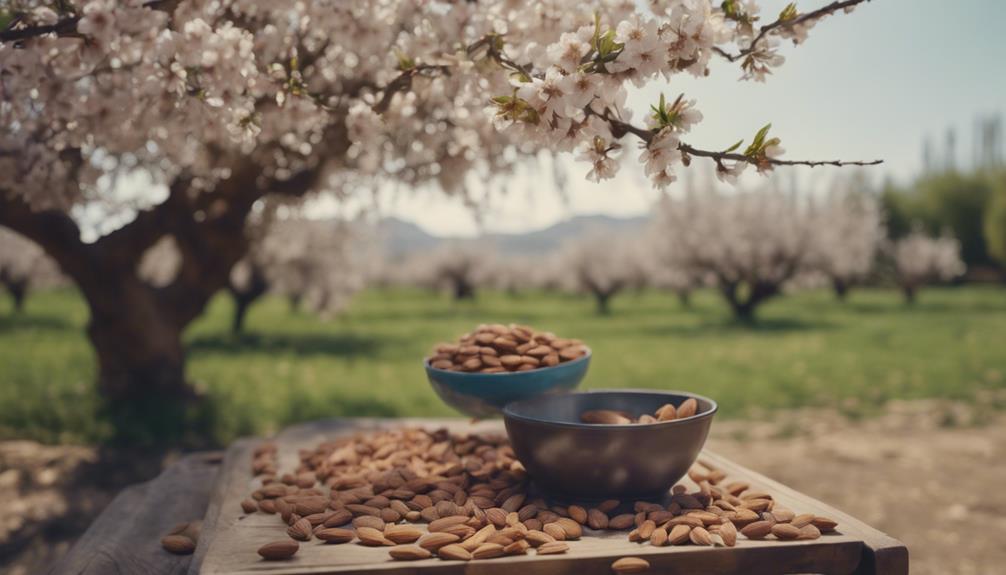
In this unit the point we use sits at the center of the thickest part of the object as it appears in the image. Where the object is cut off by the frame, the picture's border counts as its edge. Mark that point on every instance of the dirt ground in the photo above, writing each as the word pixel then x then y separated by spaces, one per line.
pixel 929 473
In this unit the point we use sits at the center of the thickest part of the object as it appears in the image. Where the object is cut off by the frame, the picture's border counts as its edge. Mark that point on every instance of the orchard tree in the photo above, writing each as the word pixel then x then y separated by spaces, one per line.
pixel 458 267
pixel 223 103
pixel 920 260
pixel 600 265
pixel 749 243
pixel 23 266
pixel 847 235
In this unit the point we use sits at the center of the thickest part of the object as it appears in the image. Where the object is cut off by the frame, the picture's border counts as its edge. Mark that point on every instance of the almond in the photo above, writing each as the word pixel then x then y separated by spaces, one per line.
pixel 572 528
pixel 659 537
pixel 518 547
pixel 454 552
pixel 402 533
pixel 667 412
pixel 338 517
pixel 679 534
pixel 278 550
pixel 369 521
pixel 513 503
pixel 335 535
pixel 646 529
pixel 578 514
pixel 536 538
pixel 301 530
pixel 178 544
pixel 496 516
pixel 444 522
pixel 688 408
pixel 824 524
pixel 785 531
pixel 372 537
pixel 488 551
pixel 802 519
pixel 249 506
pixel 555 531
pixel 409 553
pixel 728 533
pixel 604 417
pixel 480 536
pixel 699 536
pixel 757 530
pixel 809 531
pixel 621 522
pixel 552 548
pixel 596 519
pixel 630 565
pixel 434 541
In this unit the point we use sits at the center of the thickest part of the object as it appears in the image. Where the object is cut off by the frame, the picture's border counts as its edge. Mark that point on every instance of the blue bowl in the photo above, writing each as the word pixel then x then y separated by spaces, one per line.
pixel 485 394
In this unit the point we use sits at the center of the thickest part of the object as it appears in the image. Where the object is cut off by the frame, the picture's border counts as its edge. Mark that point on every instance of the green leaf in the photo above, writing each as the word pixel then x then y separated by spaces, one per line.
pixel 759 141
pixel 789 12
pixel 734 147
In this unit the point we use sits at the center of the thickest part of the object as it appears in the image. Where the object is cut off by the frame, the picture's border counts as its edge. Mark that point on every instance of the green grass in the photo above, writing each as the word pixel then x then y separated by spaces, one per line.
pixel 807 350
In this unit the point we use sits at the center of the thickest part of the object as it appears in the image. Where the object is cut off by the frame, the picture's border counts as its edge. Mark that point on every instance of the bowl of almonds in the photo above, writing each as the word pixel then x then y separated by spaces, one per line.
pixel 609 443
pixel 496 364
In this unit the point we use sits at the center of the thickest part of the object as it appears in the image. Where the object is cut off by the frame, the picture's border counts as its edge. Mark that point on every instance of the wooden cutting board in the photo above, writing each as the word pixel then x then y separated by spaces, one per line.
pixel 230 539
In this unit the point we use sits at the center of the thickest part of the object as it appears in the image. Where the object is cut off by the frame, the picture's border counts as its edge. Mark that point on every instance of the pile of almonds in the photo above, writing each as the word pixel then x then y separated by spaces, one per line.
pixel 667 412
pixel 473 496
pixel 496 348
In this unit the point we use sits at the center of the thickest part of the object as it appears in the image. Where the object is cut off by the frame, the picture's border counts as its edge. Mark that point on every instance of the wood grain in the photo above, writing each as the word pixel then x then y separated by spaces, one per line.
pixel 230 550
pixel 125 539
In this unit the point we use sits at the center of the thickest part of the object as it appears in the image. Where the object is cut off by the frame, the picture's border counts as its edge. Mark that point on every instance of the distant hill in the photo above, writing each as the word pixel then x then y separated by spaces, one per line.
pixel 401 237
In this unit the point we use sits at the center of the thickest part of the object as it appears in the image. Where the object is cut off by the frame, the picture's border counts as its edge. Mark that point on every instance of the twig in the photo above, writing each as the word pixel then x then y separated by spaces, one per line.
pixel 768 28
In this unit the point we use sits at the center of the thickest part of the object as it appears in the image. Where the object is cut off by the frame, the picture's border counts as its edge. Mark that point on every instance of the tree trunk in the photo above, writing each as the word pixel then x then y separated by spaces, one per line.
pixel 463 289
pixel 685 298
pixel 18 290
pixel 744 307
pixel 246 295
pixel 910 292
pixel 295 299
pixel 603 300
pixel 841 289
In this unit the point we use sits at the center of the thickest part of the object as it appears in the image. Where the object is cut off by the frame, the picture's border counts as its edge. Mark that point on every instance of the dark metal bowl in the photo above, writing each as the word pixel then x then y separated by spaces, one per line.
pixel 570 459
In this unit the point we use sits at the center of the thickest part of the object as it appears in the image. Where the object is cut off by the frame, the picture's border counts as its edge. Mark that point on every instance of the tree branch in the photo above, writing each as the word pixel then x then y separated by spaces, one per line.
pixel 767 29
pixel 67 27
pixel 619 129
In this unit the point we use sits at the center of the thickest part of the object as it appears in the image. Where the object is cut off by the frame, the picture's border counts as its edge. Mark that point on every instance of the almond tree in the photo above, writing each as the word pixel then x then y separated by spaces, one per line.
pixel 920 260
pixel 224 103
pixel 600 265
pixel 847 236
pixel 750 244
pixel 458 267
pixel 23 266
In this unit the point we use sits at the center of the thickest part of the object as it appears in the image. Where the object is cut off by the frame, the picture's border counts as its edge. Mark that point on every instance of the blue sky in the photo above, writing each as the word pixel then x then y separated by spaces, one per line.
pixel 868 85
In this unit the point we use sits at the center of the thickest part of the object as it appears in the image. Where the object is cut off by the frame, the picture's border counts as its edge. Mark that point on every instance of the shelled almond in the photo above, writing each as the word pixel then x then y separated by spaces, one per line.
pixel 667 412
pixel 498 348
pixel 466 497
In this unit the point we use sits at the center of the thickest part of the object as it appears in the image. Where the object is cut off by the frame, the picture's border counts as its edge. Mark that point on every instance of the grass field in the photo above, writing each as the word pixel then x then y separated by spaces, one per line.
pixel 807 350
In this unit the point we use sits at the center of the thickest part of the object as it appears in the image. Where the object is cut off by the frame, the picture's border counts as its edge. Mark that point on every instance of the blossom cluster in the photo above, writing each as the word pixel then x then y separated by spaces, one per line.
pixel 390 89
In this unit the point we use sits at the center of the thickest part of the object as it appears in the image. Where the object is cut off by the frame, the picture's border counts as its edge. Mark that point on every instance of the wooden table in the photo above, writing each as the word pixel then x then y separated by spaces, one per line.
pixel 125 538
